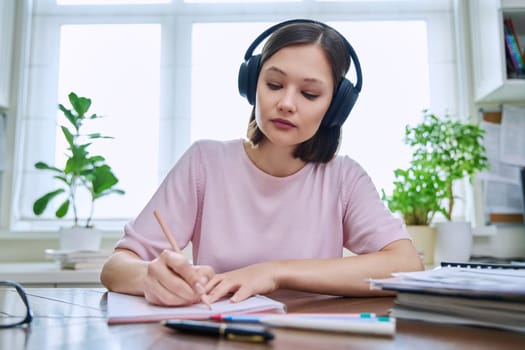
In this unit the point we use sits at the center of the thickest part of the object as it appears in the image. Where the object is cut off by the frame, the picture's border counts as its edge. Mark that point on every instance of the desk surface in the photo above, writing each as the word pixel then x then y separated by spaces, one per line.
pixel 75 318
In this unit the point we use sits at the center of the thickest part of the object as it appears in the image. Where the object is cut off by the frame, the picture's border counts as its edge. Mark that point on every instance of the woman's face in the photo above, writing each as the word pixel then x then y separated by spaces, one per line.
pixel 294 92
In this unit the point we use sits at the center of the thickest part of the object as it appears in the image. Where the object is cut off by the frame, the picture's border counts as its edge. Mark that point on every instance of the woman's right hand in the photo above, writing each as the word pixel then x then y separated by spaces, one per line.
pixel 171 280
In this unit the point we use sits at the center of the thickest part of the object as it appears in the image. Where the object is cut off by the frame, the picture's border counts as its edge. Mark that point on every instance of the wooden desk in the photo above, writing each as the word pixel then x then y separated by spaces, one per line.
pixel 74 318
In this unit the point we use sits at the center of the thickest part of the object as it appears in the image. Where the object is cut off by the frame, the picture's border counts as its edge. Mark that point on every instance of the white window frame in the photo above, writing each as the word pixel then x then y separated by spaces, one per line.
pixel 176 20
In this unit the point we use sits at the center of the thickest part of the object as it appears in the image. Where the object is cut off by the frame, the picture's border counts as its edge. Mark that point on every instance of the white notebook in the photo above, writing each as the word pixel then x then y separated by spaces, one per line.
pixel 123 308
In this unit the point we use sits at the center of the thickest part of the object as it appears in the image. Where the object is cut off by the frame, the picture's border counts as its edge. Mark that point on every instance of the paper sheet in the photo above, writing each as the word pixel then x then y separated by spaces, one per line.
pixel 3 143
pixel 499 171
pixel 123 308
pixel 470 281
pixel 512 140
pixel 502 197
pixel 505 145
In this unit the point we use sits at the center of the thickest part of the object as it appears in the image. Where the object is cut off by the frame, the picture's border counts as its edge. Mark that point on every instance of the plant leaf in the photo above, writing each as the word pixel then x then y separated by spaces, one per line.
pixel 62 210
pixel 80 104
pixel 103 179
pixel 41 203
pixel 70 116
pixel 45 166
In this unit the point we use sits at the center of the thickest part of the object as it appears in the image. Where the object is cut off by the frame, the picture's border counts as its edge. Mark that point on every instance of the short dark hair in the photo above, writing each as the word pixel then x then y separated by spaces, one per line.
pixel 323 146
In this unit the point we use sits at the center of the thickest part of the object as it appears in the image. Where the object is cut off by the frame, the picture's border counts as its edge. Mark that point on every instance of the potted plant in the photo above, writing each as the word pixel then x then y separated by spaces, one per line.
pixel 417 196
pixel 445 150
pixel 82 171
pixel 451 148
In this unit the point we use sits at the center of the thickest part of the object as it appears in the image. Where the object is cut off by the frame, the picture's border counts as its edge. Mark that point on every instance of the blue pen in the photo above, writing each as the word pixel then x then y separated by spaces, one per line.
pixel 229 318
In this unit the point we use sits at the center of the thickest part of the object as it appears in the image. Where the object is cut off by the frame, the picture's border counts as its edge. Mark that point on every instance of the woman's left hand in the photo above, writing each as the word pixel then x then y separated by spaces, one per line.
pixel 243 283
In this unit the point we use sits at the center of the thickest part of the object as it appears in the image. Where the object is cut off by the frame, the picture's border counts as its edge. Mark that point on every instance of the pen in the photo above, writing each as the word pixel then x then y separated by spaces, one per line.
pixel 175 247
pixel 365 323
pixel 383 325
pixel 223 330
pixel 260 317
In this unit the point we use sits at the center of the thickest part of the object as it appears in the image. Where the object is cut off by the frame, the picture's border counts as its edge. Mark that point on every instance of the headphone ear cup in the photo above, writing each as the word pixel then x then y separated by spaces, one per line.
pixel 342 103
pixel 247 80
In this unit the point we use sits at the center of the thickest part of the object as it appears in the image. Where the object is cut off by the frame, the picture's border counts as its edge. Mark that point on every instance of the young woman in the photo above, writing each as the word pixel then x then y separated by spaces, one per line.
pixel 275 210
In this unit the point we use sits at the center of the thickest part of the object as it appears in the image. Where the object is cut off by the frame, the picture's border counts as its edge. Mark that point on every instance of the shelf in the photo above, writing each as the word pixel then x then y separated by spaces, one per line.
pixel 510 90
pixel 491 83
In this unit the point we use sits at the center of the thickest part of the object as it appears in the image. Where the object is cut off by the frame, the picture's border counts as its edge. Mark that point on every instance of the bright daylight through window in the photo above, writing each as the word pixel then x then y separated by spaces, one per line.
pixel 165 79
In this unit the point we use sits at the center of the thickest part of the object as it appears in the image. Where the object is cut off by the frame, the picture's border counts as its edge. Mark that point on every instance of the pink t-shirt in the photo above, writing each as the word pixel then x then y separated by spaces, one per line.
pixel 236 215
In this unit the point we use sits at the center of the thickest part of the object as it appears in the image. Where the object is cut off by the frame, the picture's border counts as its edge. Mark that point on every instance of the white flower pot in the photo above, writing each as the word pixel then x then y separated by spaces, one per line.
pixel 79 238
pixel 453 241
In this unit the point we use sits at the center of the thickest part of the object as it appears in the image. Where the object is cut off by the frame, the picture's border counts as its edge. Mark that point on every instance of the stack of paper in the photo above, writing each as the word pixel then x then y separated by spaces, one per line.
pixel 79 259
pixel 469 296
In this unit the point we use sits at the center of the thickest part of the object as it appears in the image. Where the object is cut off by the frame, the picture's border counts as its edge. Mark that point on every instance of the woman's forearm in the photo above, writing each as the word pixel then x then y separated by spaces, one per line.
pixel 124 272
pixel 347 276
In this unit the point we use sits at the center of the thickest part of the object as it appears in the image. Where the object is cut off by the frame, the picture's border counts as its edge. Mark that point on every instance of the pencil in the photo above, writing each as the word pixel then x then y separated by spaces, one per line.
pixel 175 247
pixel 167 232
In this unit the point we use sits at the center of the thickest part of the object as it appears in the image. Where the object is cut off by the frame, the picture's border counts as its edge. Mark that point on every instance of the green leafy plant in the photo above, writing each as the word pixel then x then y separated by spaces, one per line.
pixel 417 195
pixel 81 170
pixel 444 150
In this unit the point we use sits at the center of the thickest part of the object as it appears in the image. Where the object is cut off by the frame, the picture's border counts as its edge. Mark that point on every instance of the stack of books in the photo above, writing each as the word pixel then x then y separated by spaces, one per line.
pixel 482 295
pixel 79 259
pixel 514 54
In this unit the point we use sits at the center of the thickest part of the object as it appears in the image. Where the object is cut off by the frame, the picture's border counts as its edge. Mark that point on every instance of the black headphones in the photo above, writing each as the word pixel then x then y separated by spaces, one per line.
pixel 344 97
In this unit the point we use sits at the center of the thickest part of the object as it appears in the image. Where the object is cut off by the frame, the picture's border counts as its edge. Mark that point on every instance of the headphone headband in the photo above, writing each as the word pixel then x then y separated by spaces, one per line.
pixel 269 31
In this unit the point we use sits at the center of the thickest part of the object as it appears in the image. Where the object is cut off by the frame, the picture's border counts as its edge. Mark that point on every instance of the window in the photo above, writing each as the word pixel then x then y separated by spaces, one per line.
pixel 396 88
pixel 100 61
pixel 109 2
pixel 225 114
pixel 165 74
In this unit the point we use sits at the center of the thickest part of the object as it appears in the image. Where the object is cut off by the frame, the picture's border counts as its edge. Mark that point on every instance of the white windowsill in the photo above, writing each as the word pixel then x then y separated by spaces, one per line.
pixel 48 274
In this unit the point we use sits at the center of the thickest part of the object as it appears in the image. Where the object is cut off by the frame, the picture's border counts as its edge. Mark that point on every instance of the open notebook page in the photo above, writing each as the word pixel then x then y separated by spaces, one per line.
pixel 123 308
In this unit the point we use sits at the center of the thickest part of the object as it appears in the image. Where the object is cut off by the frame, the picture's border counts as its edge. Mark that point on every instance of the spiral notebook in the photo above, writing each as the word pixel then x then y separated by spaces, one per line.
pixel 515 265
pixel 124 308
